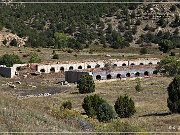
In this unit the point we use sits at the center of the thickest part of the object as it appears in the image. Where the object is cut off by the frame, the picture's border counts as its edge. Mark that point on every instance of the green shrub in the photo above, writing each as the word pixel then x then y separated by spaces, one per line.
pixel 138 85
pixel 86 84
pixel 9 60
pixel 124 106
pixel 91 104
pixel 34 58
pixel 55 56
pixel 67 105
pixel 173 100
pixel 105 112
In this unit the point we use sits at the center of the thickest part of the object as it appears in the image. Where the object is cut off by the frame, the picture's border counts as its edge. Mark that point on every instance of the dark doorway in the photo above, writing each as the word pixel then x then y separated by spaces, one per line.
pixel 42 70
pixel 118 76
pixel 52 70
pixel 115 65
pixel 123 64
pixel 108 76
pixel 88 66
pixel 150 63
pixel 141 64
pixel 62 69
pixel 146 73
pixel 98 77
pixel 132 64
pixel 80 67
pixel 71 68
pixel 128 75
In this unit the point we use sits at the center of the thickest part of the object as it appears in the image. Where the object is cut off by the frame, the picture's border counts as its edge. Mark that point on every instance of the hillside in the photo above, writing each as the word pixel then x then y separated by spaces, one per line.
pixel 79 26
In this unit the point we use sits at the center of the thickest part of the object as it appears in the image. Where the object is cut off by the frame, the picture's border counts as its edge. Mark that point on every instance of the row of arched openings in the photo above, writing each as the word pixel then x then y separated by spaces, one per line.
pixel 118 76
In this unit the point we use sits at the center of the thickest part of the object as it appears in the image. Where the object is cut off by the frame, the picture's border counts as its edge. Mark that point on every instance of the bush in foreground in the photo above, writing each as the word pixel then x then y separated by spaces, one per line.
pixel 173 100
pixel 86 84
pixel 124 106
pixel 67 105
pixel 91 104
pixel 105 112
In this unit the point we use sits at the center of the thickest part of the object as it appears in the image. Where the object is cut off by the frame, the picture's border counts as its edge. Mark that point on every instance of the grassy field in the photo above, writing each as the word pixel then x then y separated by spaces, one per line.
pixel 95 54
pixel 151 106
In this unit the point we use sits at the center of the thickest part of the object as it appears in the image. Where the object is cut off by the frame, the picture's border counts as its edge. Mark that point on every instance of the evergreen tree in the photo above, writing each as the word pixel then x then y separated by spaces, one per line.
pixel 173 100
pixel 86 84
pixel 124 106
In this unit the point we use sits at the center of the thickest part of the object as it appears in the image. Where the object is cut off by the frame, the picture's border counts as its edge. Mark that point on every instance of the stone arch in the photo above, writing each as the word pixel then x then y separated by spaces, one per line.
pixel 128 75
pixel 62 69
pixel 42 70
pixel 124 64
pixel 141 64
pixel 118 76
pixel 88 66
pixel 52 69
pixel 71 68
pixel 80 67
pixel 132 64
pixel 146 73
pixel 108 77
pixel 98 77
pixel 97 66
pixel 137 74
pixel 115 65
pixel 150 63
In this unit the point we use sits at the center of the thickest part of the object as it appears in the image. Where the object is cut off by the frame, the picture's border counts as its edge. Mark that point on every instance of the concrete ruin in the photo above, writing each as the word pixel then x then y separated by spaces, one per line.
pixel 70 66
pixel 49 68
pixel 113 73
pixel 10 72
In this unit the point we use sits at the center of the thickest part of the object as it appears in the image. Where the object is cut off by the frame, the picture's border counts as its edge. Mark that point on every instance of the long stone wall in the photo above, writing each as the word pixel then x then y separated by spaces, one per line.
pixel 99 64
pixel 102 74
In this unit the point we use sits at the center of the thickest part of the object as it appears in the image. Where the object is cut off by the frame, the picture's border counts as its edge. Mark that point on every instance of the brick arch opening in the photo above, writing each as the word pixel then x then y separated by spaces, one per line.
pixel 150 63
pixel 146 73
pixel 71 68
pixel 137 74
pixel 88 66
pixel 115 65
pixel 80 67
pixel 98 77
pixel 118 76
pixel 128 75
pixel 124 64
pixel 43 70
pixel 52 70
pixel 62 69
pixel 108 77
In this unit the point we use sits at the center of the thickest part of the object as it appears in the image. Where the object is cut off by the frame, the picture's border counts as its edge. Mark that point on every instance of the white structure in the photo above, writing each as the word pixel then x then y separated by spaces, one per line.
pixel 96 64
pixel 61 67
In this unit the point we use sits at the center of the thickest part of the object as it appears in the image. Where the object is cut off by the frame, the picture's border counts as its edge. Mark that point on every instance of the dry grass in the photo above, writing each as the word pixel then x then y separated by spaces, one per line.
pixel 152 112
pixel 98 54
